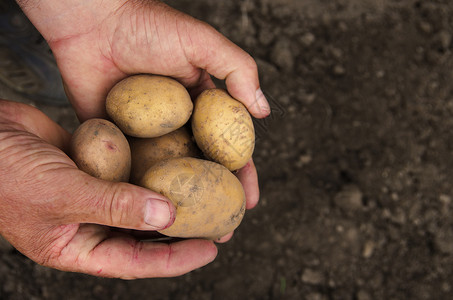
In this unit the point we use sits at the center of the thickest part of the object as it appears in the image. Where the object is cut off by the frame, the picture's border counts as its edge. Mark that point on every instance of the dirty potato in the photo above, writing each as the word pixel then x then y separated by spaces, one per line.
pixel 99 148
pixel 148 105
pixel 223 128
pixel 209 199
pixel 146 152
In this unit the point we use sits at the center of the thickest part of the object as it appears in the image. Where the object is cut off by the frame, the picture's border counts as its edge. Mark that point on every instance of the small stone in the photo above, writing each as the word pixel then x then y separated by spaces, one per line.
pixel 342 26
pixel 445 199
pixel 399 217
pixel 425 27
pixel 307 39
pixel 394 196
pixel 338 70
pixel 336 52
pixel 380 73
pixel 309 98
pixel 312 277
pixel 349 198
pixel 303 160
pixel 368 249
pixel 446 287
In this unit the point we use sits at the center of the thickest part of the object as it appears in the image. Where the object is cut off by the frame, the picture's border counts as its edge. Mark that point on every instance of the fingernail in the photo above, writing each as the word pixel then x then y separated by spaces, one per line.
pixel 262 102
pixel 158 214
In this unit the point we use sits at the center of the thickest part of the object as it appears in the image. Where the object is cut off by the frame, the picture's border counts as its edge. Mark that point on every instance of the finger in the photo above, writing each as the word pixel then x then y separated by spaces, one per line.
pixel 248 176
pixel 124 257
pixel 210 50
pixel 203 83
pixel 34 121
pixel 225 238
pixel 112 203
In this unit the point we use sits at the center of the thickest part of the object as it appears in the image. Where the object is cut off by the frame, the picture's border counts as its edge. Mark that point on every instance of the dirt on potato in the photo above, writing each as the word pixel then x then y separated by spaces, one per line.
pixel 355 163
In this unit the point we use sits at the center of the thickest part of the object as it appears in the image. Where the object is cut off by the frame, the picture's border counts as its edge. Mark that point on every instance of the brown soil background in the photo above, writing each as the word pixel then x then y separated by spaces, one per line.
pixel 354 163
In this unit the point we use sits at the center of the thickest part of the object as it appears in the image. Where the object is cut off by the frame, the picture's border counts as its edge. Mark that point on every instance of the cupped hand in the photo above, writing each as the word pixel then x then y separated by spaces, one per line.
pixel 97 43
pixel 63 218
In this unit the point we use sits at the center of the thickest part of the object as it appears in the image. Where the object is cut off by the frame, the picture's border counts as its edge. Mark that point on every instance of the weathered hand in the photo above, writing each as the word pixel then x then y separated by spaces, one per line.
pixel 97 43
pixel 63 218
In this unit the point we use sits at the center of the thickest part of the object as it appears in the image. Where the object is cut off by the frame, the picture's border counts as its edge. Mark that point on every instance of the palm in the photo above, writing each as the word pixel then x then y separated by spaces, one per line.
pixel 58 216
pixel 151 39
pixel 94 58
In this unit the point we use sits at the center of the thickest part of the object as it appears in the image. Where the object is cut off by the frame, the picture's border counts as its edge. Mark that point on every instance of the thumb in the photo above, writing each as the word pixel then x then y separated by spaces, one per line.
pixel 118 204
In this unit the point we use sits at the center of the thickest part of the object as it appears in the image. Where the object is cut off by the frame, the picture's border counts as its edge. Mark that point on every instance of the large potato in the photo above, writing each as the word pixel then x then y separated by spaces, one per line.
pixel 148 105
pixel 146 152
pixel 209 199
pixel 99 148
pixel 223 128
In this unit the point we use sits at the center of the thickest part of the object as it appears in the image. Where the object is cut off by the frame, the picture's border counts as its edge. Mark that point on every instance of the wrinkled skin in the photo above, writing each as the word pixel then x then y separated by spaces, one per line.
pixel 61 217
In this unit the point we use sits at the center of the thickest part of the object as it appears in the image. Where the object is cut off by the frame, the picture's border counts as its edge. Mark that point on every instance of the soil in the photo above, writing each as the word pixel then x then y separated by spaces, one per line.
pixel 354 162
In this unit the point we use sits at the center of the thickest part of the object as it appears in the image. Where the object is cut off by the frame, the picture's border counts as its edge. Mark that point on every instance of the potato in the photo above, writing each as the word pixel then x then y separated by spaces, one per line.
pixel 223 128
pixel 146 152
pixel 148 105
pixel 209 199
pixel 99 148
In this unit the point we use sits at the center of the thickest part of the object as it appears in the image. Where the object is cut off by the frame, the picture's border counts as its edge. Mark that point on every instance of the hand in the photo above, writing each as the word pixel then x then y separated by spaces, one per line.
pixel 63 218
pixel 97 43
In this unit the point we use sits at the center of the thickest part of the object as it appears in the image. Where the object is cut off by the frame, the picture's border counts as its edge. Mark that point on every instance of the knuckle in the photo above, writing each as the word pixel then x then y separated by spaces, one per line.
pixel 118 205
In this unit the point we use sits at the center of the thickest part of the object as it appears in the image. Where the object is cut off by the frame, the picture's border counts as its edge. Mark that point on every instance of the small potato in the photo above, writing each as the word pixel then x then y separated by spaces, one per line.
pixel 148 105
pixel 209 199
pixel 223 129
pixel 99 148
pixel 146 152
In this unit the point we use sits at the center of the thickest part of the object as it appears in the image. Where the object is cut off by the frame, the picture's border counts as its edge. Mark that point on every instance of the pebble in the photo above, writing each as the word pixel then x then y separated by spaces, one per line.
pixel 368 249
pixel 307 39
pixel 305 96
pixel 446 287
pixel 445 199
pixel 425 27
pixel 303 160
pixel 336 52
pixel 338 70
pixel 349 198
pixel 312 277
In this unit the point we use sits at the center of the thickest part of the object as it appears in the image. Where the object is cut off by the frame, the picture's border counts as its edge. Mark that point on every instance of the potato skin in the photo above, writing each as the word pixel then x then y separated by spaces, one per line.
pixel 99 148
pixel 223 129
pixel 146 152
pixel 209 199
pixel 148 105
